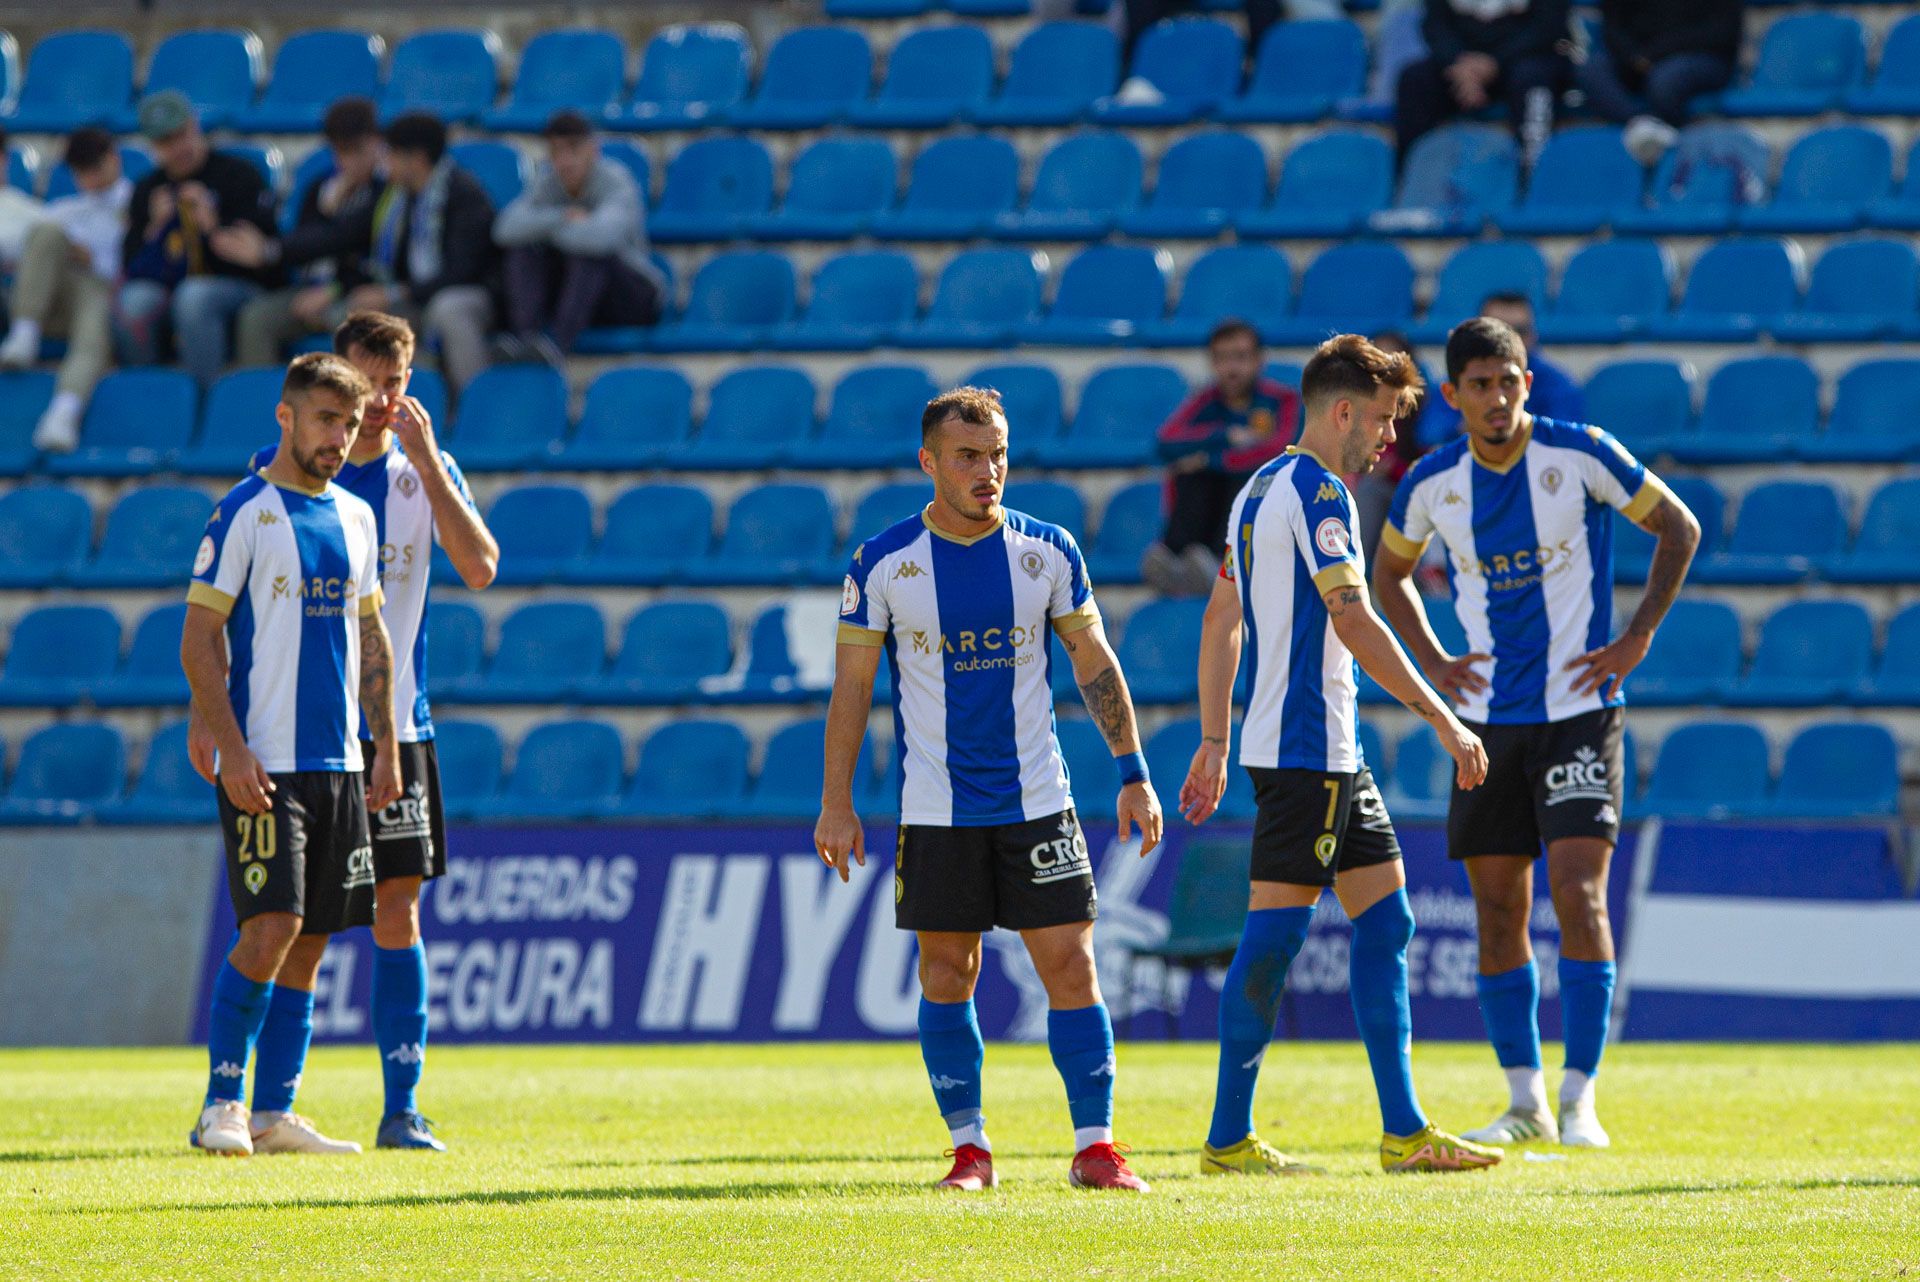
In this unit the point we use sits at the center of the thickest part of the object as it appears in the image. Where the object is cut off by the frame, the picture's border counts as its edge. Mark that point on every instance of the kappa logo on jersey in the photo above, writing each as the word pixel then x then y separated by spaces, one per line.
pixel 1452 499
pixel 1328 493
pixel 909 570
pixel 204 557
pixel 1330 536
pixel 849 595
pixel 1583 778
pixel 268 518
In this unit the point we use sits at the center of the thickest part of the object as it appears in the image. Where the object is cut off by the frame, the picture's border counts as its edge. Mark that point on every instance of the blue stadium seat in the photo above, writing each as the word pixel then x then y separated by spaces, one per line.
pixel 1694 659
pixel 1897 679
pixel 884 506
pixel 151 675
pixel 738 298
pixel 1107 295
pixel 23 164
pixel 934 76
pixel 65 773
pixel 788 786
pixel 1839 770
pixel 1475 271
pixel 24 396
pixel 454 74
pixel 1134 518
pixel 562 770
pixel 1156 651
pixel 1058 71
pixel 137 423
pixel 218 71
pixel 1645 403
pixel 1757 408
pixel 1830 178
pixel 834 189
pixel 74 78
pixel 689 770
pixel 1895 90
pixel 1807 62
pixel 471 766
pixel 1422 780
pixel 984 298
pixel 316 166
pixel 1169 752
pixel 456 648
pixel 9 73
pixel 1710 770
pixel 237 421
pixel 653 533
pixel 1031 396
pixel 1583 177
pixel 149 540
pixel 500 168
pixel 811 76
pixel 1872 419
pixel 1204 182
pixel 542 530
pixel 1889 534
pixel 1608 292
pixel 752 414
pixel 1782 530
pixel 1054 502
pixel 1120 409
pixel 1303 71
pixel 873 420
pixel 1328 186
pixel 58 654
pixel 135 163
pixel 168 791
pixel 1733 289
pixel 1810 653
pixel 1702 182
pixel 938 208
pixel 1455 179
pixel 788 656
pixel 1086 181
pixel 580 69
pixel 690 74
pixel 1861 290
pixel 857 302
pixel 666 650
pixel 632 417
pixel 775 534
pixel 45 534
pixel 547 652
pixel 1193 62
pixel 312 71
pixel 1633 546
pixel 1091 771
pixel 511 417
pixel 1361 286
pixel 1251 282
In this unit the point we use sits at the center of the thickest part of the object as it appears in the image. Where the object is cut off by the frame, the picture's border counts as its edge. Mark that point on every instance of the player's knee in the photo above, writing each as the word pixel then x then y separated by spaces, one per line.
pixel 396 913
pixel 1385 927
pixel 265 941
pixel 948 979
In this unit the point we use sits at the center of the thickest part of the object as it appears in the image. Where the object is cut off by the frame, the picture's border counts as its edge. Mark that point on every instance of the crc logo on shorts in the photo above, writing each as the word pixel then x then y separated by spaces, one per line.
pixel 1330 536
pixel 1063 858
pixel 359 869
pixel 408 816
pixel 204 557
pixel 1323 848
pixel 1582 779
pixel 849 595
pixel 255 877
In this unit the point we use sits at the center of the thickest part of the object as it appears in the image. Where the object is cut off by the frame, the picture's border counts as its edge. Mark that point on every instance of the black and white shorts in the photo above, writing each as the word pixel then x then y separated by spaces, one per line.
pixel 1314 824
pixel 410 836
pixel 1545 781
pixel 1019 875
pixel 310 855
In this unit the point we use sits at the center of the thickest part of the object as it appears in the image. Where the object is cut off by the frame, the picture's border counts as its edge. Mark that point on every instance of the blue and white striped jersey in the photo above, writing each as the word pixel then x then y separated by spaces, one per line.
pixel 1529 555
pixel 1292 540
pixel 293 572
pixel 391 486
pixel 967 625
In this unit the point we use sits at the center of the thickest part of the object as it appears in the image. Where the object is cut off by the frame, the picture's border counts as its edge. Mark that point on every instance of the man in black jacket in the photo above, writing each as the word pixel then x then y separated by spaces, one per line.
pixel 325 253
pixel 1653 57
pixel 1482 50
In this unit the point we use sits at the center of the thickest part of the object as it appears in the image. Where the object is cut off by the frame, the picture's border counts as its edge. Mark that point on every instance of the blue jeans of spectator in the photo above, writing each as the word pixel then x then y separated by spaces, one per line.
pixel 199 311
pixel 1664 91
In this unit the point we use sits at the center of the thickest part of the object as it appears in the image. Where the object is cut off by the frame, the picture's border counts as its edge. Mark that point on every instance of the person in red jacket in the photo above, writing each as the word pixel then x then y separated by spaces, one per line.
pixel 1216 440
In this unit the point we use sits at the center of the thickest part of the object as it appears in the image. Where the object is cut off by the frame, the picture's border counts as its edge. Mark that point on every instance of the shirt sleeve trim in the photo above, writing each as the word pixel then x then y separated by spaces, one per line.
pixel 370 602
pixel 1642 504
pixel 1078 621
pixel 211 597
pixel 1341 574
pixel 1400 545
pixel 854 634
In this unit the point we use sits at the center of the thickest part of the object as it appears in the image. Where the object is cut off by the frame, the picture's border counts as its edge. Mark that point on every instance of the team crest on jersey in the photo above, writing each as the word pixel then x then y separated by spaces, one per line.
pixel 204 557
pixel 1330 536
pixel 408 483
pixel 1550 480
pixel 1323 848
pixel 1030 562
pixel 849 595
pixel 1328 493
pixel 255 876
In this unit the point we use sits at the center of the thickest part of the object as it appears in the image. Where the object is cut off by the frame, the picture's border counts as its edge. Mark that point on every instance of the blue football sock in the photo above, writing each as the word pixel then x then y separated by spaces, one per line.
pixel 1586 1008
pixel 1249 1003
pixel 1377 976
pixel 1082 1045
pixel 233 1022
pixel 1510 1004
pixel 955 1054
pixel 280 1054
pixel 400 1021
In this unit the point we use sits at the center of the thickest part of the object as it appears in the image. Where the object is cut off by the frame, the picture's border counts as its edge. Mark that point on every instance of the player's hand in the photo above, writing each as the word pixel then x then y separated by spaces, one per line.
pixel 201 751
pixel 1206 782
pixel 414 426
pixel 247 784
pixel 383 779
pixel 1457 678
pixel 837 836
pixel 1605 670
pixel 1468 753
pixel 1138 807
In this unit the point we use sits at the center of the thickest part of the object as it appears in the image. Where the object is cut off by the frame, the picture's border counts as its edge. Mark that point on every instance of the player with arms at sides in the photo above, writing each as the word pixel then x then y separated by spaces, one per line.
pixel 1520 505
pixel 285 651
pixel 964 598
pixel 1294 584
pixel 419 498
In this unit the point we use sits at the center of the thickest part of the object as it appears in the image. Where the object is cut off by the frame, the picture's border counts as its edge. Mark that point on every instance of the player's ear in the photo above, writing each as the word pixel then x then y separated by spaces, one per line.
pixel 1451 397
pixel 283 415
pixel 926 460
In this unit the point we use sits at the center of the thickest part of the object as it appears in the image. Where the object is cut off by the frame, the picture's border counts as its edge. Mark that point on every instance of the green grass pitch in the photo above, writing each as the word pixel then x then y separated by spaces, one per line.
pixel 808 1161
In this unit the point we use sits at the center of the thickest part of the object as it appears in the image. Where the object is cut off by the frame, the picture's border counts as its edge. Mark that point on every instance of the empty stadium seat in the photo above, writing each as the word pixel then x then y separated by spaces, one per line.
pixel 1897 679
pixel 1091 772
pixel 1782 528
pixel 57 654
pixel 578 69
pixel 1156 651
pixel 752 414
pixel 1695 656
pixel 562 770
pixel 1203 183
pixel 548 650
pixel 1872 419
pixel 633 415
pixel 1807 62
pixel 511 417
pixel 1583 177
pixel 984 298
pixel 470 755
pixel 690 74
pixel 1328 186
pixel 1895 90
pixel 1303 71
pixel 938 208
pixel 136 424
pixel 1710 770
pixel 1054 502
pixel 73 78
pixel 1359 287
pixel 66 772
pixel 1735 287
pixel 151 675
pixel 1031 396
pixel 1889 535
pixel 149 539
pixel 218 71
pixel 689 769
pixel 238 420
pixel 1810 653
pixel 1107 294
pixel 1455 179
pixel 22 168
pixel 169 790
pixel 1756 409
pixel 887 505
pixel 1861 290
pixel 456 648
pixel 834 189
pixel 1169 752
pixel 1608 291
pixel 775 534
pixel 856 303
pixel 934 75
pixel 1702 182
pixel 788 786
pixel 1057 72
pixel 872 421
pixel 1422 781
pixel 1253 283
pixel 1133 519
pixel 736 301
pixel 1645 403
pixel 45 534
pixel 1475 271
pixel 311 71
pixel 1829 178
pixel 1085 182
pixel 24 396
pixel 1633 546
pixel 500 168
pixel 653 533
pixel 1839 770
pixel 1193 62
pixel 788 654
pixel 542 530
pixel 811 76
pixel 453 74
pixel 666 650
pixel 1120 409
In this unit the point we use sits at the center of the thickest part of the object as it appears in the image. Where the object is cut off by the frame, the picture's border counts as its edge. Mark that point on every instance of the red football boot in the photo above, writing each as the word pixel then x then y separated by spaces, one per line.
pixel 972 1170
pixel 1104 1166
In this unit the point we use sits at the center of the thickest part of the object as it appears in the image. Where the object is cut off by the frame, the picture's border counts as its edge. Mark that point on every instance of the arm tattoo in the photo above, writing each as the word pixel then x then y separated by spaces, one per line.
pixel 1112 711
pixel 1672 554
pixel 1346 600
pixel 376 677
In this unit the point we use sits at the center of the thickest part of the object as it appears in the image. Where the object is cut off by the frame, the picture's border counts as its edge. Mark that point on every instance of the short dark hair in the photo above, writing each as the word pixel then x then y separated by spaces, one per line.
pixel 1483 336
pixel 88 147
pixel 350 120
pixel 324 370
pixel 1347 365
pixel 1233 327
pixel 974 405
pixel 567 123
pixel 420 131
pixel 379 335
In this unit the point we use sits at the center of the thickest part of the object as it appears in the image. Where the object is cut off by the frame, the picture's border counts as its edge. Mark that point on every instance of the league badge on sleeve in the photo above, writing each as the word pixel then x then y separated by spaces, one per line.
pixel 204 557
pixel 849 595
pixel 1331 537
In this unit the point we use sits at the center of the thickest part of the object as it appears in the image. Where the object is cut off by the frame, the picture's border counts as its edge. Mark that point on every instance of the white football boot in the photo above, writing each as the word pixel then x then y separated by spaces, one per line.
pixel 292 1133
pixel 1580 1125
pixel 1517 1126
pixel 223 1130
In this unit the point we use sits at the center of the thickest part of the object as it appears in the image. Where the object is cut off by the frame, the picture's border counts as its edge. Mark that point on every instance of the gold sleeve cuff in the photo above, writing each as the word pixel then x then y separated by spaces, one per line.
pixel 1341 574
pixel 211 597
pixel 854 634
pixel 1079 621
pixel 370 602
pixel 1642 504
pixel 1400 545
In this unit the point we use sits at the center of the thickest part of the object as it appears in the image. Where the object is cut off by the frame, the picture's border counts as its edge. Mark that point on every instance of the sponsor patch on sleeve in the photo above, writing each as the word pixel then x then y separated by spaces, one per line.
pixel 849 594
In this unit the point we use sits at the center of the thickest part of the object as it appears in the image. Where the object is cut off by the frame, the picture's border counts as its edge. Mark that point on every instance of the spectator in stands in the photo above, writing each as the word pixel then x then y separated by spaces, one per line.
pixel 1554 394
pixel 64 283
pixel 434 262
pixel 328 249
pixel 1652 58
pixel 576 247
pixel 173 270
pixel 1216 440
pixel 1481 51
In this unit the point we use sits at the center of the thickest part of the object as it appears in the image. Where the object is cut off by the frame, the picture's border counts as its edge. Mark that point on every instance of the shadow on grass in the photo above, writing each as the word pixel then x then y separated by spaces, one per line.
pixel 77 1155
pixel 1755 1186
pixel 762 1189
